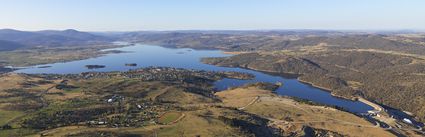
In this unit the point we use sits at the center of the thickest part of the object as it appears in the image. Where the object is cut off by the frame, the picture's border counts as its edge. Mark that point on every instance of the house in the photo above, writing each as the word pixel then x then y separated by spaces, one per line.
pixel 373 112
pixel 110 100
pixel 406 120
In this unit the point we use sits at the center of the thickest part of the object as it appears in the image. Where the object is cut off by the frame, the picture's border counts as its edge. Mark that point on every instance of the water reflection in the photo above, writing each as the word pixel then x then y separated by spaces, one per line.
pixel 145 55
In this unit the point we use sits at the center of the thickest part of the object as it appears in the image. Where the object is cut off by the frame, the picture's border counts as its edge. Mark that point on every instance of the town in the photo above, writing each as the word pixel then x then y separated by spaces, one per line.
pixel 154 74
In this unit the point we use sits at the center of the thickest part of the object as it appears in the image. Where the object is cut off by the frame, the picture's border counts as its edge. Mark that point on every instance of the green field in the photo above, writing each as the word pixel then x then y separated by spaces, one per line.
pixel 169 117
pixel 5 116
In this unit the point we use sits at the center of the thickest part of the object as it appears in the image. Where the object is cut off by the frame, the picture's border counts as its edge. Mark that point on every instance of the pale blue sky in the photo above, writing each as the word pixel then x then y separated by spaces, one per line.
pixel 129 15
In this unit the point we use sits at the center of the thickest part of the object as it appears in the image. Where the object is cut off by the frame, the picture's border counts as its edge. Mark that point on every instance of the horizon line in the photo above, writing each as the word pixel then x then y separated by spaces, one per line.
pixel 175 30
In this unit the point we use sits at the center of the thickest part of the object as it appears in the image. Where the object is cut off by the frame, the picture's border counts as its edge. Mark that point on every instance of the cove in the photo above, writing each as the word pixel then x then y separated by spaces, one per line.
pixel 149 55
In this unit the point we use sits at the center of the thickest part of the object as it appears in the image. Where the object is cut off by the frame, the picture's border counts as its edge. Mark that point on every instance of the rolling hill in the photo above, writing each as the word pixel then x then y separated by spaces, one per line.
pixel 49 38
pixel 9 45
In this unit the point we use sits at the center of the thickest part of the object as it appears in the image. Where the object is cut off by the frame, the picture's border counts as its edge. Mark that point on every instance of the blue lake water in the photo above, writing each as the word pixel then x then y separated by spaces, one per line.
pixel 146 55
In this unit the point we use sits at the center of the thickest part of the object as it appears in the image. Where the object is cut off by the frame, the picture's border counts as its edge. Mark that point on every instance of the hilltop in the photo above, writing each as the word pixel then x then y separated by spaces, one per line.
pixel 50 38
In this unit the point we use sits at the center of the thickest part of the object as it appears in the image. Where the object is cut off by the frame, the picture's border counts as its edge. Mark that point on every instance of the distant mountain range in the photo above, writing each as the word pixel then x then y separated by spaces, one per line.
pixel 9 45
pixel 14 39
pixel 219 39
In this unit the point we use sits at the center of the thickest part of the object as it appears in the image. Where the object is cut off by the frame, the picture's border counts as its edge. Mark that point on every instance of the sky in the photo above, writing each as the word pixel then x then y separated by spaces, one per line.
pixel 132 15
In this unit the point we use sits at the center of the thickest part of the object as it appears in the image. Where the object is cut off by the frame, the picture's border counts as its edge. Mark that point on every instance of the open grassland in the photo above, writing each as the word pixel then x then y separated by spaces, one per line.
pixel 170 117
pixel 193 124
pixel 28 57
pixel 390 78
pixel 59 106
pixel 385 68
pixel 6 116
pixel 290 115
pixel 115 105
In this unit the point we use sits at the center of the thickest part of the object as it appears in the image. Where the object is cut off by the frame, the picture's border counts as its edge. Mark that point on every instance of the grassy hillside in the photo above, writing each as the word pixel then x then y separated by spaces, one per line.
pixel 146 103
pixel 386 68
pixel 36 56
pixel 9 45
pixel 52 38
pixel 270 41
pixel 391 79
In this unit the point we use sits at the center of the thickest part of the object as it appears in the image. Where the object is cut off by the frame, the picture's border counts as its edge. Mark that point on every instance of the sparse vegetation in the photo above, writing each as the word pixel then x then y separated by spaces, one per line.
pixel 388 69
pixel 385 78
pixel 97 105
pixel 43 55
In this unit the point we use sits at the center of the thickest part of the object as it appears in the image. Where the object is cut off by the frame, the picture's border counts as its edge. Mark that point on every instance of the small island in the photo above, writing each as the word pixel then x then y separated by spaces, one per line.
pixel 95 66
pixel 44 66
pixel 131 64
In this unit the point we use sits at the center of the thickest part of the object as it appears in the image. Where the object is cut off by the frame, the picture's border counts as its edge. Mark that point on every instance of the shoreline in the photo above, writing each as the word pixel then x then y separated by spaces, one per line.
pixel 280 74
pixel 234 52
pixel 273 74
pixel 353 98
pixel 375 106
pixel 99 51
pixel 370 103
pixel 302 81
pixel 316 86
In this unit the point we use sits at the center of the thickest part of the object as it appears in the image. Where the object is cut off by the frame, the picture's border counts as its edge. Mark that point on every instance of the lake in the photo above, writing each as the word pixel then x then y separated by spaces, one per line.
pixel 148 55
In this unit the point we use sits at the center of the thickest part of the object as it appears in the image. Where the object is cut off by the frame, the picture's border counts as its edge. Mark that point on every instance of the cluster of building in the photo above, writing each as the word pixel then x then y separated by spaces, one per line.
pixel 167 73
pixel 115 98
pixel 138 114
pixel 154 74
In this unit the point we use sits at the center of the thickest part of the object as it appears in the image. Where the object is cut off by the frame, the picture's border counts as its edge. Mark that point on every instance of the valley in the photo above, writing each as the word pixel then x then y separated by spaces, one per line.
pixel 384 68
pixel 98 103
pixel 236 94
pixel 212 68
